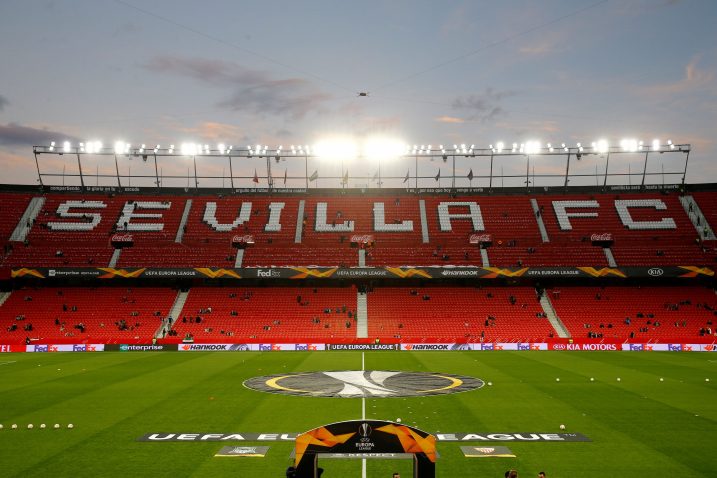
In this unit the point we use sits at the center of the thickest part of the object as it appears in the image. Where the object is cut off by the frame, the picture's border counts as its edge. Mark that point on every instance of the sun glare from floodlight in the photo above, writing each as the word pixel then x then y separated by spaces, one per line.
pixel 66 146
pixel 120 147
pixel 532 147
pixel 629 145
pixel 602 146
pixel 384 148
pixel 338 148
pixel 656 144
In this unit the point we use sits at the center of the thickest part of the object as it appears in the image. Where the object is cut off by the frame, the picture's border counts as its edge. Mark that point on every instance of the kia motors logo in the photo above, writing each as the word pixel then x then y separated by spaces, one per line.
pixel 360 383
pixel 558 346
pixel 655 272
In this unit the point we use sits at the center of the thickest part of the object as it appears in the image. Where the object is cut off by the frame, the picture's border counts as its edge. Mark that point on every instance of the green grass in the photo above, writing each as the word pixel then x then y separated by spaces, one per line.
pixel 639 426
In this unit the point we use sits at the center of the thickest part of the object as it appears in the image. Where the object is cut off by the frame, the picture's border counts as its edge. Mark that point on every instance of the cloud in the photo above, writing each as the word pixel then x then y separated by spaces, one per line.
pixel 3 102
pixel 694 79
pixel 484 107
pixel 13 134
pixel 253 90
pixel 213 131
pixel 450 119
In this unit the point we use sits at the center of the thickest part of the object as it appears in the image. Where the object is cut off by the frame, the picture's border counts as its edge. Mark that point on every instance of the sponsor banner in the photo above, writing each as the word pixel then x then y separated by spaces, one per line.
pixel 361 456
pixel 518 437
pixel 241 241
pixel 215 347
pixel 12 348
pixel 290 437
pixel 601 238
pixel 591 347
pixel 65 348
pixel 480 239
pixel 251 451
pixel 362 238
pixel 298 273
pixel 122 240
pixel 140 348
pixel 250 347
pixel 487 451
pixel 363 347
pixel 416 347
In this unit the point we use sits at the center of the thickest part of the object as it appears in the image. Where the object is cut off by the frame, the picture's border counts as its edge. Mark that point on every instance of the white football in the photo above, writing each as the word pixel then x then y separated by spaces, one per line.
pixel 42 425
pixel 14 426
pixel 57 425
pixel 662 379
pixel 707 380
pixel 557 379
pixel 618 379
pixel 1 426
pixel 70 425
pixel 29 425
pixel 490 384
pixel 398 420
pixel 562 427
pixel 592 379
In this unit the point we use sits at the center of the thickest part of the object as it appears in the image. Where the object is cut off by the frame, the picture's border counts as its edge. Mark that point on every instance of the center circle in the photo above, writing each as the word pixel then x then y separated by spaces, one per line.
pixel 364 384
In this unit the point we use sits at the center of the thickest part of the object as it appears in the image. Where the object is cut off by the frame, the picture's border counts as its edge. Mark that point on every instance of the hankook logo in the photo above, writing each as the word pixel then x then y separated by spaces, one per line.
pixel 359 383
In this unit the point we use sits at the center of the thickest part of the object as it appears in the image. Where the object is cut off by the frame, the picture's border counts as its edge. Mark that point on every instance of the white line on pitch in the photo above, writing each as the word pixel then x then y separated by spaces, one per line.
pixel 6 363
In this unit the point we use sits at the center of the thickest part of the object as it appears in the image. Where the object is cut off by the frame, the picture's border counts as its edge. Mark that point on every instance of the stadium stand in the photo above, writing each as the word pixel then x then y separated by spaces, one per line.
pixel 457 314
pixel 84 315
pixel 75 230
pixel 643 314
pixel 268 314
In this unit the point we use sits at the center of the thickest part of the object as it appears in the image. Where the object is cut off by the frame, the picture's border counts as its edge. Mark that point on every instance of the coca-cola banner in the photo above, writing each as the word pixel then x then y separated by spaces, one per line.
pixel 602 238
pixel 122 240
pixel 481 239
pixel 362 238
pixel 241 241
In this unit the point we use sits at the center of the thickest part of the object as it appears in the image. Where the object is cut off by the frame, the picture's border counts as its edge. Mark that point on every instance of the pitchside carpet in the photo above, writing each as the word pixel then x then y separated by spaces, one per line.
pixel 639 426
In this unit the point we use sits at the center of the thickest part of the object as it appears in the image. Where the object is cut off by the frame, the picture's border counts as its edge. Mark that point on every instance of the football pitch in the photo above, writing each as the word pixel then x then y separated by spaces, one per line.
pixel 638 426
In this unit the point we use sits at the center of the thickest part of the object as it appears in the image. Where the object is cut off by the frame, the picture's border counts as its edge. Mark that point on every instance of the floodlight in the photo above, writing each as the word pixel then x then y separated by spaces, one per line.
pixel 82 147
pixel 500 146
pixel 629 145
pixel 189 149
pixel 532 147
pixel 655 144
pixel 66 146
pixel 221 147
pixel 119 147
pixel 602 146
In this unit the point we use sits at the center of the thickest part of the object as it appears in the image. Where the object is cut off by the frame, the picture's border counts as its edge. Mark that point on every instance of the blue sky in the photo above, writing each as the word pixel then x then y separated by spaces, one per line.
pixel 283 72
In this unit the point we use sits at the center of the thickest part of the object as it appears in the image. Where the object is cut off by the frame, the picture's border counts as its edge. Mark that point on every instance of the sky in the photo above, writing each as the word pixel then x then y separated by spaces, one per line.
pixel 289 72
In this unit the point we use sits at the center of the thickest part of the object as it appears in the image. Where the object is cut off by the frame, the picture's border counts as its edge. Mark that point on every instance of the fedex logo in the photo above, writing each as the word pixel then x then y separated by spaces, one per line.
pixel 265 347
pixel 305 347
pixel 524 347
pixel 487 347
pixel 637 347
pixel 674 348
pixel 40 348
pixel 84 348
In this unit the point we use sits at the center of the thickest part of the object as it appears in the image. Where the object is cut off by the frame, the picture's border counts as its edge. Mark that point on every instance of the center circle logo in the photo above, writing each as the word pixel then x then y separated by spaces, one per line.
pixel 364 384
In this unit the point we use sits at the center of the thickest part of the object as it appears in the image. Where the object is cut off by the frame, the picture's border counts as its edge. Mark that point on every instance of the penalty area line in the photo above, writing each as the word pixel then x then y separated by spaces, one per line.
pixel 8 363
